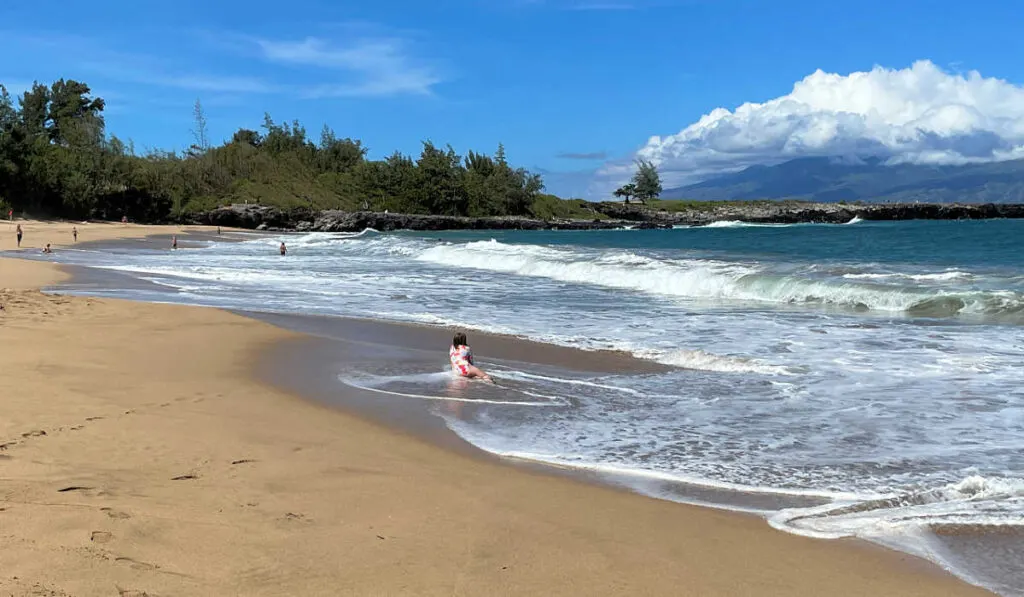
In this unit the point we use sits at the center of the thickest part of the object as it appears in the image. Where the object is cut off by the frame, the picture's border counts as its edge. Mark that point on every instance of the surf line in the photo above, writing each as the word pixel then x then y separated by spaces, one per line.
pixel 452 399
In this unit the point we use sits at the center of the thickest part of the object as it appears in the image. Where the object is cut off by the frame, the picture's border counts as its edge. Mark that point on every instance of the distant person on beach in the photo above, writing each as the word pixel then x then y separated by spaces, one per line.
pixel 124 220
pixel 74 233
pixel 174 242
pixel 47 248
pixel 18 231
pixel 462 359
pixel 284 249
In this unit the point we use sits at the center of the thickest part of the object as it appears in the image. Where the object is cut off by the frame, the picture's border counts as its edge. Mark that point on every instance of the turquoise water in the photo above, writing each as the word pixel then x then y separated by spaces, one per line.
pixel 875 368
pixel 983 243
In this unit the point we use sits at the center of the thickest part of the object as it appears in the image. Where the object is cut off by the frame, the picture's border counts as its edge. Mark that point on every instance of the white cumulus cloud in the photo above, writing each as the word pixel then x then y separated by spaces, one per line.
pixel 920 114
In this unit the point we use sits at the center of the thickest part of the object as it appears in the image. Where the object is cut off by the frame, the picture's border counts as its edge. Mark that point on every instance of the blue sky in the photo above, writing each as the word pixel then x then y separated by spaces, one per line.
pixel 573 88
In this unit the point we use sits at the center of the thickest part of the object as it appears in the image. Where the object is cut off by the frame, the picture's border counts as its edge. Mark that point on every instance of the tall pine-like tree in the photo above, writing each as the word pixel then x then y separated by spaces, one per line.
pixel 647 181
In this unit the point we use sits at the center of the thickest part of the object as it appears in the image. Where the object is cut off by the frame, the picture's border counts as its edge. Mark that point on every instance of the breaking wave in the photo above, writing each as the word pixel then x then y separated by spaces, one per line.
pixel 722 280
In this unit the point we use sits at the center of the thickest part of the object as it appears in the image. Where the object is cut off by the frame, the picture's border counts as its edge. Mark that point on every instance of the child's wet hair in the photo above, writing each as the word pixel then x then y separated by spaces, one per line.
pixel 460 340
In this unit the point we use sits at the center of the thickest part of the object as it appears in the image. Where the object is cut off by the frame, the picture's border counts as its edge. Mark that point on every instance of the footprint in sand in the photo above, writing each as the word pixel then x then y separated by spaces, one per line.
pixel 136 564
pixel 115 513
pixel 36 433
pixel 122 592
pixel 100 537
pixel 293 517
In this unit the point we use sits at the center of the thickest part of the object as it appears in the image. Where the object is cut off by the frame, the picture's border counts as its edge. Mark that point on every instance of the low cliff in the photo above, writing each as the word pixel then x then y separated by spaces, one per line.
pixel 607 216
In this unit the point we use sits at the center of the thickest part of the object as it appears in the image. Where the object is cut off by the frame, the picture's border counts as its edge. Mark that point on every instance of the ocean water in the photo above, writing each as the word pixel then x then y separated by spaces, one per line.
pixel 860 380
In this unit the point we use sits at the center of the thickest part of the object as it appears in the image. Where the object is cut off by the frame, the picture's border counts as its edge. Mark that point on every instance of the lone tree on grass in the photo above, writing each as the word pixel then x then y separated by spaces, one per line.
pixel 646 181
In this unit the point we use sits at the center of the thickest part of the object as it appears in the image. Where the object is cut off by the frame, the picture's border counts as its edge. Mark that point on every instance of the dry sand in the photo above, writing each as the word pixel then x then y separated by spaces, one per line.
pixel 138 456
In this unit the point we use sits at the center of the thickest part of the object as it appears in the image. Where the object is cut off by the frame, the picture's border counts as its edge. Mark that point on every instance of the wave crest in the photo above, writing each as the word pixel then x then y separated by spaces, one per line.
pixel 721 280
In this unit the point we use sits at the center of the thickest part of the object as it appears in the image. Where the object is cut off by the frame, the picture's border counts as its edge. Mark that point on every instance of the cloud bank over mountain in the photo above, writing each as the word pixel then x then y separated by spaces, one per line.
pixel 921 114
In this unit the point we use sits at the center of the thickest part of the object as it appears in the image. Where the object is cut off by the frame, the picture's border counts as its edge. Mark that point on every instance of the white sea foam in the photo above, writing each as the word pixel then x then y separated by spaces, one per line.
pixel 741 224
pixel 548 400
pixel 705 361
pixel 937 276
pixel 713 279
pixel 974 500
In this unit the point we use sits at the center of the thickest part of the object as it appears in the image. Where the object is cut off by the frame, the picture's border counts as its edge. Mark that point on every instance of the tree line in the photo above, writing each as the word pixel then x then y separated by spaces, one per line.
pixel 56 159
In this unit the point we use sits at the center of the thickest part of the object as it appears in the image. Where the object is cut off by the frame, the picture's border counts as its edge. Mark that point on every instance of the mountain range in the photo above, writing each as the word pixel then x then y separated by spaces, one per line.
pixel 827 180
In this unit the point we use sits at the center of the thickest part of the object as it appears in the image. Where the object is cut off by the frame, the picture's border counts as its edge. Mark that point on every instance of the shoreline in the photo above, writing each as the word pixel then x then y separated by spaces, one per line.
pixel 539 493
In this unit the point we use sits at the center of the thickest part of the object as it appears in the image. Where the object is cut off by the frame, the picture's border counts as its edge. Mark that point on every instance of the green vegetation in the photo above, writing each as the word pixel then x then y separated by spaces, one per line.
pixel 625 192
pixel 57 160
pixel 550 207
pixel 647 181
pixel 645 186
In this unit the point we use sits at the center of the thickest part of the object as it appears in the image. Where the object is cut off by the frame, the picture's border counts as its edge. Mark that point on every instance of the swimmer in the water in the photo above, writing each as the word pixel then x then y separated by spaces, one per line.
pixel 462 359
pixel 283 249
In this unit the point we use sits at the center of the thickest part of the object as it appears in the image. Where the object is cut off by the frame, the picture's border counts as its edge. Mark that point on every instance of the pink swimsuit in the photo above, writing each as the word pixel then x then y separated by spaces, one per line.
pixel 461 359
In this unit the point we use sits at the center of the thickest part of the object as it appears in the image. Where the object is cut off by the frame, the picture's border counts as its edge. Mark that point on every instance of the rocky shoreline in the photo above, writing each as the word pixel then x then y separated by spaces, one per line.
pixel 606 216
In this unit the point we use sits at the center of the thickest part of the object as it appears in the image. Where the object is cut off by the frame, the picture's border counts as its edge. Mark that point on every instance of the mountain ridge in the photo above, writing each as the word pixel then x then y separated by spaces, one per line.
pixel 831 180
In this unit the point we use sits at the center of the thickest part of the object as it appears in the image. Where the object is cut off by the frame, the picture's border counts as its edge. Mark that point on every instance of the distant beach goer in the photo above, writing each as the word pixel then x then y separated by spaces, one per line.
pixel 47 248
pixel 284 249
pixel 218 229
pixel 174 241
pixel 462 359
pixel 124 220
pixel 74 233
pixel 19 235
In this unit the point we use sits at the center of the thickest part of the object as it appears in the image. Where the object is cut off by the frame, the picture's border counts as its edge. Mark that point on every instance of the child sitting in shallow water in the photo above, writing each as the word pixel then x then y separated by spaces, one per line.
pixel 462 359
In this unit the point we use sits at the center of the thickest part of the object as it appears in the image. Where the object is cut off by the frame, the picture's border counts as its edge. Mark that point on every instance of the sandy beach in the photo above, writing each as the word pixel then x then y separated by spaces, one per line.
pixel 141 454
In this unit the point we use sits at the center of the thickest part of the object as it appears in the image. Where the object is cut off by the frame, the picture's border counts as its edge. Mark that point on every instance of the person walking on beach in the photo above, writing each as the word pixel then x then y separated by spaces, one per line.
pixel 174 242
pixel 18 232
pixel 284 249
pixel 462 359
pixel 74 233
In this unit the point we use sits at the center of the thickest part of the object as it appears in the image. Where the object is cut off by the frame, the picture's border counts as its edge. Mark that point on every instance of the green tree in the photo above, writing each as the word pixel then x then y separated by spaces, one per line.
pixel 74 118
pixel 440 180
pixel 626 192
pixel 246 137
pixel 647 181
pixel 338 155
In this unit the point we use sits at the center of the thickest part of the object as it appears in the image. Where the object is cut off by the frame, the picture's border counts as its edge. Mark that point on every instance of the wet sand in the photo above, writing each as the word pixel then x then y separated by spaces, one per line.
pixel 144 452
